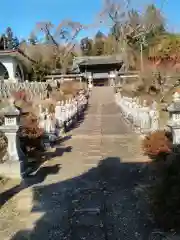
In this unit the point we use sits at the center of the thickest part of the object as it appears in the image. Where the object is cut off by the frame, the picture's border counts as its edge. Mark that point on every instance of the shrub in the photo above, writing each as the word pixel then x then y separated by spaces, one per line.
pixel 30 135
pixel 156 143
pixel 164 196
pixel 70 88
pixel 30 127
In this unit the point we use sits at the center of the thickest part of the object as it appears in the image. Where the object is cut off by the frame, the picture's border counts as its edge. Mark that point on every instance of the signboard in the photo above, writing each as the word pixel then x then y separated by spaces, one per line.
pixel 100 75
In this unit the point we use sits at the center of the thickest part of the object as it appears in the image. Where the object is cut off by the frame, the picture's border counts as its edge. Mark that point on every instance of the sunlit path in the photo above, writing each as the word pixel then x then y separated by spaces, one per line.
pixel 94 170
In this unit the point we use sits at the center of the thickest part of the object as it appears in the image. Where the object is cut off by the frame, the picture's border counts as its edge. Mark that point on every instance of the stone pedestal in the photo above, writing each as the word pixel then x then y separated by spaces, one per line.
pixel 13 166
pixel 175 130
pixel 13 143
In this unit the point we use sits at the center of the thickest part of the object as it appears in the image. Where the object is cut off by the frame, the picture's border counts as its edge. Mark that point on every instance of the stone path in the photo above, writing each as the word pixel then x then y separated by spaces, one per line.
pixel 87 188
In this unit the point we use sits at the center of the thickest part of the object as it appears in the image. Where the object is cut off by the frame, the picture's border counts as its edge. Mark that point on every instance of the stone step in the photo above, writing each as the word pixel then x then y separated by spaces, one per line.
pixel 124 137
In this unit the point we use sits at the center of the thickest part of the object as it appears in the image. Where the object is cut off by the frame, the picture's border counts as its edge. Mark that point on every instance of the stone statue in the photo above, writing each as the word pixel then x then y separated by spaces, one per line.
pixel 154 105
pixel 176 97
pixel 145 103
pixel 145 117
pixel 154 115
pixel 48 124
pixel 40 109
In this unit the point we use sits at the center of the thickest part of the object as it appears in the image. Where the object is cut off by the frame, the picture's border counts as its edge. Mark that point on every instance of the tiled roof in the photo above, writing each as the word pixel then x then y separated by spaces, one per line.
pixel 96 60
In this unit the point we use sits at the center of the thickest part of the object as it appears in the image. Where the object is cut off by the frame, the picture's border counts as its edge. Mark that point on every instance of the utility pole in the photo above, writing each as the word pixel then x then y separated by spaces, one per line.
pixel 141 57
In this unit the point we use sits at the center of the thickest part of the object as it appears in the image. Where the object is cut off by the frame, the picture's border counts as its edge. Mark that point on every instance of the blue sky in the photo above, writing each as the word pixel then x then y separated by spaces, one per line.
pixel 22 15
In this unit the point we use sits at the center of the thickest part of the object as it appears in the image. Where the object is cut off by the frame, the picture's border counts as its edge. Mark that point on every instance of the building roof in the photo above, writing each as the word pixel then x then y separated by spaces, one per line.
pixel 19 54
pixel 15 53
pixel 98 60
pixel 8 53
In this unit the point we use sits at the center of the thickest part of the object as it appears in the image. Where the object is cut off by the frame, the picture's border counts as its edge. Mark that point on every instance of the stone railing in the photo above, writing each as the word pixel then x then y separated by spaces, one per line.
pixel 144 118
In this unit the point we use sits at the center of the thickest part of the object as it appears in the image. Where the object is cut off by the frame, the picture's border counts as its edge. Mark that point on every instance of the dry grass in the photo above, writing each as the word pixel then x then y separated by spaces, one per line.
pixel 70 87
pixel 156 143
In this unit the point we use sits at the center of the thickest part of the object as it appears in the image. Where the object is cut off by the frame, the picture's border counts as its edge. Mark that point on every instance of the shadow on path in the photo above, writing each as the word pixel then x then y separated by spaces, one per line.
pixel 58 152
pixel 39 177
pixel 40 174
pixel 106 198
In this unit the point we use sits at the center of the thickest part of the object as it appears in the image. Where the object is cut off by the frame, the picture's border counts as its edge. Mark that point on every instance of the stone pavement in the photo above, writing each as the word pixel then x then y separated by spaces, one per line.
pixel 87 190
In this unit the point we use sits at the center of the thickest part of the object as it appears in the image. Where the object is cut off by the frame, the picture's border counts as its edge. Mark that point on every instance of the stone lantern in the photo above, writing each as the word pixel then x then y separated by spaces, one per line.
pixel 11 126
pixel 174 115
pixel 14 157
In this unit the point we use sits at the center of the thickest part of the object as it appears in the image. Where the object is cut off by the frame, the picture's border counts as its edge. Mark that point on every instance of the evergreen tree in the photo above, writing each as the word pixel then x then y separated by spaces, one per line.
pixel 98 47
pixel 10 41
pixel 86 46
pixel 15 43
pixel 154 22
pixel 99 35
pixel 32 39
pixel 4 40
pixel 9 36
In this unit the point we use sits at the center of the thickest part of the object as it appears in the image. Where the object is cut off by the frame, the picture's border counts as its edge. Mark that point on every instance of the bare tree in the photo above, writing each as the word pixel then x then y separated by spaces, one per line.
pixel 114 14
pixel 129 24
pixel 62 38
